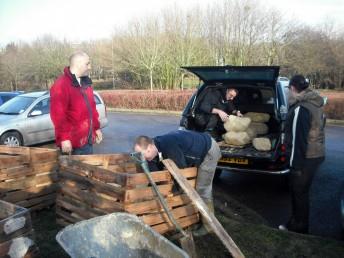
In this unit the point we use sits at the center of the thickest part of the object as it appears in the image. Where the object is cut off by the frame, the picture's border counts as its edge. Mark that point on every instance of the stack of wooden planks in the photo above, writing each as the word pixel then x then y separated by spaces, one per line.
pixel 95 185
pixel 16 233
pixel 28 176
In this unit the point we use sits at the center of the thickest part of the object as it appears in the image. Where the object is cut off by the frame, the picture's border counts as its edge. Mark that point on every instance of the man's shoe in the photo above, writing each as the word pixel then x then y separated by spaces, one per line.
pixel 283 227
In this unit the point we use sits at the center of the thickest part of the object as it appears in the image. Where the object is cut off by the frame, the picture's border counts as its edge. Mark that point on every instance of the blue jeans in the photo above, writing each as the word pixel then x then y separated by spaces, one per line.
pixel 84 150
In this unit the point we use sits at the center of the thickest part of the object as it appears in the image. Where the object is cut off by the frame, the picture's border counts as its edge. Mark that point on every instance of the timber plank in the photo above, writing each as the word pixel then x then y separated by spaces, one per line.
pixel 141 178
pixel 154 205
pixel 183 222
pixel 27 182
pixel 35 201
pixel 98 159
pixel 67 216
pixel 42 157
pixel 45 167
pixel 80 212
pixel 15 172
pixel 62 222
pixel 126 167
pixel 92 199
pixel 68 203
pixel 115 191
pixel 207 215
pixel 183 211
pixel 43 204
pixel 18 150
pixel 139 194
pixel 13 161
pixel 26 170
pixel 90 171
pixel 29 193
pixel 158 176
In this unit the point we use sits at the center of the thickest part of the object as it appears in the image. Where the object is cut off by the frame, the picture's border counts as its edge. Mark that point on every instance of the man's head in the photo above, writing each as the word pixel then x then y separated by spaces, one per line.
pixel 79 63
pixel 146 145
pixel 297 84
pixel 231 93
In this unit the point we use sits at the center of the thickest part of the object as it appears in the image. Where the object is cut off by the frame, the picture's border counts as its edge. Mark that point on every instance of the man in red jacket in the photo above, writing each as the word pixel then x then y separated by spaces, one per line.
pixel 73 109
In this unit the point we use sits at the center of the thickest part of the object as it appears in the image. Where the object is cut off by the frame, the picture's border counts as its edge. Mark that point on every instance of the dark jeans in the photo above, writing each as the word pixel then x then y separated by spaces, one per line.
pixel 300 183
pixel 210 122
pixel 84 150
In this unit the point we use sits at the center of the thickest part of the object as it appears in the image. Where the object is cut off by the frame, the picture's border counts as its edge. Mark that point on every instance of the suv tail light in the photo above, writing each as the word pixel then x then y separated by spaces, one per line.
pixel 283 148
pixel 283 159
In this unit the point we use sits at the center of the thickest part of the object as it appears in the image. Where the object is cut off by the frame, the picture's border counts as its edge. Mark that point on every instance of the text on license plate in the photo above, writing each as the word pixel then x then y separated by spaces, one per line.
pixel 234 160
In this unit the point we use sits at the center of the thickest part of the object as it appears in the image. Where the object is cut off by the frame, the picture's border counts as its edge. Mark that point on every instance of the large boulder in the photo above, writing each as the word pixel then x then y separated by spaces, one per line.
pixel 258 117
pixel 259 128
pixel 237 124
pixel 262 144
pixel 237 138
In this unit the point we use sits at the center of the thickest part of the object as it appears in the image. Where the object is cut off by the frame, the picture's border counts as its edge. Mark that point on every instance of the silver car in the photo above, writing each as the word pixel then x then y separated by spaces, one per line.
pixel 25 119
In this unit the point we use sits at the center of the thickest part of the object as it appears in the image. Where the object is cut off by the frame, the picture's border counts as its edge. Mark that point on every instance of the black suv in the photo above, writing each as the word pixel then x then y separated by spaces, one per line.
pixel 250 81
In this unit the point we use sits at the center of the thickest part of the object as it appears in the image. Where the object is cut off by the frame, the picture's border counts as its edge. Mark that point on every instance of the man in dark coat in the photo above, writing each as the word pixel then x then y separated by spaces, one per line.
pixel 215 109
pixel 305 140
pixel 186 149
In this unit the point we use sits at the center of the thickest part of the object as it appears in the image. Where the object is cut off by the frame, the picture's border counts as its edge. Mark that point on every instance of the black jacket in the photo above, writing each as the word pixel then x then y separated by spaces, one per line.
pixel 185 148
pixel 298 125
pixel 216 99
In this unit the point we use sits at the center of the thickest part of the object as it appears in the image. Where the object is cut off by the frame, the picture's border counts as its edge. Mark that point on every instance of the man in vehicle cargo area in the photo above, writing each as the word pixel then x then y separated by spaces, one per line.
pixel 305 141
pixel 73 109
pixel 215 109
pixel 186 149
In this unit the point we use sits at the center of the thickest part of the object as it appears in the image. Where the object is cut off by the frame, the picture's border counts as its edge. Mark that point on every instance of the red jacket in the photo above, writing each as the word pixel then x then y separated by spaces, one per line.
pixel 69 112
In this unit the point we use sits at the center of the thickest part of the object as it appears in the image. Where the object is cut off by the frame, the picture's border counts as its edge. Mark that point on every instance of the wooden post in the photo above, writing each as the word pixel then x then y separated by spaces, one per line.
pixel 203 209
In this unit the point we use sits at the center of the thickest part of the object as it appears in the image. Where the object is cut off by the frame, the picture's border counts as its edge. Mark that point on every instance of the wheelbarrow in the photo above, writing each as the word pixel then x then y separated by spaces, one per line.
pixel 115 235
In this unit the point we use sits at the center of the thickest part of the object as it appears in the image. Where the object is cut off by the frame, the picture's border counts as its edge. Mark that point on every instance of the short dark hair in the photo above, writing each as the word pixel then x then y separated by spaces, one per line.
pixel 299 82
pixel 143 141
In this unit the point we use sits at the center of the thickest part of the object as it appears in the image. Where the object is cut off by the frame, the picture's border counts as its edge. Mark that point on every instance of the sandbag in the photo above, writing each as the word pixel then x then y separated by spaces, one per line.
pixel 237 138
pixel 237 124
pixel 251 132
pixel 259 128
pixel 258 117
pixel 262 144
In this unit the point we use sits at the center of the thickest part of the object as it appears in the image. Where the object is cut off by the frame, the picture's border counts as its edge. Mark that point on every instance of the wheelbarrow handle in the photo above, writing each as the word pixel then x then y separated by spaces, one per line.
pixel 161 198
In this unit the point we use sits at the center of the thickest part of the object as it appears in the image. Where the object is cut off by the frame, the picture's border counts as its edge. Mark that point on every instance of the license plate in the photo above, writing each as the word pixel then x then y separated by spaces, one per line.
pixel 234 161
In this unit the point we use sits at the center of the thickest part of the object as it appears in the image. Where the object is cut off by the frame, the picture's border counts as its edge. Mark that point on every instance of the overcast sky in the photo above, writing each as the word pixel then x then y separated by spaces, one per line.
pixel 78 20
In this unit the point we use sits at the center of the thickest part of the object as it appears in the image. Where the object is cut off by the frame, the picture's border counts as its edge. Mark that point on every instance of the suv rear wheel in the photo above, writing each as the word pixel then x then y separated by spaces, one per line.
pixel 11 139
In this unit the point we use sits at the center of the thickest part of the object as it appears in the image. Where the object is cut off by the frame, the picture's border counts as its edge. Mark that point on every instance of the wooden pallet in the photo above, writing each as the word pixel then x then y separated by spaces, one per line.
pixel 96 185
pixel 28 176
pixel 16 233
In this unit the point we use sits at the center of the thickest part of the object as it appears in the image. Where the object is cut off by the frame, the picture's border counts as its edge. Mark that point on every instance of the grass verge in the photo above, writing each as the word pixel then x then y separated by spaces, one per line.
pixel 249 231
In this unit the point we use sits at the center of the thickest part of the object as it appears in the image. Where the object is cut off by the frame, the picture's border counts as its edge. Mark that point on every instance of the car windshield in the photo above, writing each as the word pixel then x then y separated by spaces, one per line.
pixel 16 105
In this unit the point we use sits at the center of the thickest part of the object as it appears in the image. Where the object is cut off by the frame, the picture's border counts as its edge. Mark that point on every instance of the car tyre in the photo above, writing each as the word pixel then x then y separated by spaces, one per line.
pixel 11 139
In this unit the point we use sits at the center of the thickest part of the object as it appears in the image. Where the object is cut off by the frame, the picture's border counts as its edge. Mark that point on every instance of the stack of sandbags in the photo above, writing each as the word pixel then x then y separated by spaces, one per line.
pixel 258 122
pixel 237 131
